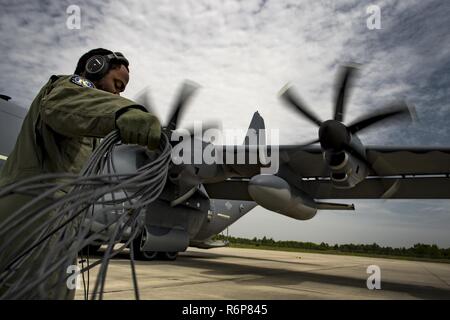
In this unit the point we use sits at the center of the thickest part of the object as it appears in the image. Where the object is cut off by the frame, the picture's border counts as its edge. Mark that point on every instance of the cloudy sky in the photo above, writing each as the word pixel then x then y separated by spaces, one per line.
pixel 242 53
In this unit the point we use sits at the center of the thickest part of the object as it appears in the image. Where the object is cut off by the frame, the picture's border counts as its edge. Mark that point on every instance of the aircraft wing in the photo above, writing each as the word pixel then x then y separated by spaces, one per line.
pixel 387 161
pixel 401 173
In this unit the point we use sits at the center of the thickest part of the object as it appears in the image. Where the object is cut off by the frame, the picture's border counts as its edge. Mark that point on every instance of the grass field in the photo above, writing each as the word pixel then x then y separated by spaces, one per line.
pixel 335 252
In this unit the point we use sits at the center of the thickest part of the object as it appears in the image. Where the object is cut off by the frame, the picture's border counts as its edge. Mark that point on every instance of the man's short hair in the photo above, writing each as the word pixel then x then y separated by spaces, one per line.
pixel 96 52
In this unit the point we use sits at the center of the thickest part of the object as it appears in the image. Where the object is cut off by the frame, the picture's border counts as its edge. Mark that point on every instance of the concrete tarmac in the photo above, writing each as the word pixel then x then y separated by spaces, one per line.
pixel 231 273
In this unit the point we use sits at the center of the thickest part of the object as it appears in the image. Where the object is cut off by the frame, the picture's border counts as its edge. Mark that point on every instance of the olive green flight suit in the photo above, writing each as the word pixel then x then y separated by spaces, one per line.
pixel 59 134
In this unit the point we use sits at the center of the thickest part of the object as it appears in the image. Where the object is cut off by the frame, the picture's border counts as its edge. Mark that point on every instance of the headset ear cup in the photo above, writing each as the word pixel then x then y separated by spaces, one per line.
pixel 96 67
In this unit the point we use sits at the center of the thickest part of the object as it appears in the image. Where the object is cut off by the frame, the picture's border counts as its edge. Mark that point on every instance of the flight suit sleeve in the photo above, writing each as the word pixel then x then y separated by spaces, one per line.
pixel 80 111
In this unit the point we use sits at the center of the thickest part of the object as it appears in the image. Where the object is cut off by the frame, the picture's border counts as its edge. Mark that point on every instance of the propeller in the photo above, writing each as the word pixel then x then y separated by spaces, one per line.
pixel 184 176
pixel 143 99
pixel 185 94
pixel 394 111
pixel 178 108
pixel 346 76
pixel 296 104
pixel 334 135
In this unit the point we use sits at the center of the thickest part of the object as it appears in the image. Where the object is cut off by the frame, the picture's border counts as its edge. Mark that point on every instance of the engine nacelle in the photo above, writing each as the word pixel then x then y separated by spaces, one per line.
pixel 346 170
pixel 275 194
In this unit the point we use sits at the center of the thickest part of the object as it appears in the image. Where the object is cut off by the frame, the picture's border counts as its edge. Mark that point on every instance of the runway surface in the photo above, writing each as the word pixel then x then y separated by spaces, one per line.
pixel 231 273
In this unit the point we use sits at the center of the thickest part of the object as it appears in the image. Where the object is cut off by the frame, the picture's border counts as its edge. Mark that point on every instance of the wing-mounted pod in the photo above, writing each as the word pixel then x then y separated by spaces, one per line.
pixel 275 194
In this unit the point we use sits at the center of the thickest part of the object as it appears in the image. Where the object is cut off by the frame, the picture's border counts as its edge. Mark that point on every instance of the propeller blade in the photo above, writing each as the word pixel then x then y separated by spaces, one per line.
pixel 310 143
pixel 401 111
pixel 143 99
pixel 297 105
pixel 342 91
pixel 205 127
pixel 186 92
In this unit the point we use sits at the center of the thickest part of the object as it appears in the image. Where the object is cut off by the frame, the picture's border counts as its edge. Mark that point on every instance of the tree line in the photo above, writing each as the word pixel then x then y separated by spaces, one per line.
pixel 419 250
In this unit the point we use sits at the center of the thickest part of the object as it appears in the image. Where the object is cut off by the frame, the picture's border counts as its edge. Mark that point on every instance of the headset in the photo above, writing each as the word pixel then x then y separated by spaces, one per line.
pixel 97 66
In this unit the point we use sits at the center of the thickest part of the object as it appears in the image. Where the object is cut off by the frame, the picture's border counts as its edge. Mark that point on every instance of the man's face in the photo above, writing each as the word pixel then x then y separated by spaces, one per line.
pixel 115 80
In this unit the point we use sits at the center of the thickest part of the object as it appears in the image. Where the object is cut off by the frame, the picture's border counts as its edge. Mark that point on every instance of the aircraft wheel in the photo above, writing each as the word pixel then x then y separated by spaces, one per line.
pixel 149 255
pixel 171 256
pixel 137 244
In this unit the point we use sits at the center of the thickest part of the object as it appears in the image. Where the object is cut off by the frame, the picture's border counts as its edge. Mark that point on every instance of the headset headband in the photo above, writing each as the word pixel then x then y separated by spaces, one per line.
pixel 117 56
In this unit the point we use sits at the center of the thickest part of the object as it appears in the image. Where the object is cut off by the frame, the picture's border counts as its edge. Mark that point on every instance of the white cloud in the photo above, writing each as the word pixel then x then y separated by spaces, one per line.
pixel 242 53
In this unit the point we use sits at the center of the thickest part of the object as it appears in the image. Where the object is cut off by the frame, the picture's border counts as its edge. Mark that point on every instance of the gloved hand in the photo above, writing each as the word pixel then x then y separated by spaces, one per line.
pixel 139 127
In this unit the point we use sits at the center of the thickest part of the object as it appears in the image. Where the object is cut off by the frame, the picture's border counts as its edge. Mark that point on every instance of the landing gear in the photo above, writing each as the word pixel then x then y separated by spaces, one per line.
pixel 138 243
pixel 171 256
pixel 149 255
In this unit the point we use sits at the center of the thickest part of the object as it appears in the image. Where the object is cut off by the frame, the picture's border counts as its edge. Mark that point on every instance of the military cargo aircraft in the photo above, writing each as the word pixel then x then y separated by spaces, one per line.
pixel 202 199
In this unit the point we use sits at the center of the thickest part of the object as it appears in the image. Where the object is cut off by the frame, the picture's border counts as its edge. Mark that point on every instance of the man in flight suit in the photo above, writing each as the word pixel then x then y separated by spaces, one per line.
pixel 67 118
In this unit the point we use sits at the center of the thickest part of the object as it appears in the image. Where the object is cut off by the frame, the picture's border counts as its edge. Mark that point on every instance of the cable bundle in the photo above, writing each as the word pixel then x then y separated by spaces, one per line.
pixel 45 235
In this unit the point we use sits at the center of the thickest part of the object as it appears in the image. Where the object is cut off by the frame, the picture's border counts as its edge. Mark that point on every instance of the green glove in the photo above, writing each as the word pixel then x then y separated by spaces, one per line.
pixel 139 127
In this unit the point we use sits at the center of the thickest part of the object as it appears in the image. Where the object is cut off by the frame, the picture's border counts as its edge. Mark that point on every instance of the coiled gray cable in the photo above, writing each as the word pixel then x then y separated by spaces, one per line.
pixel 57 224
